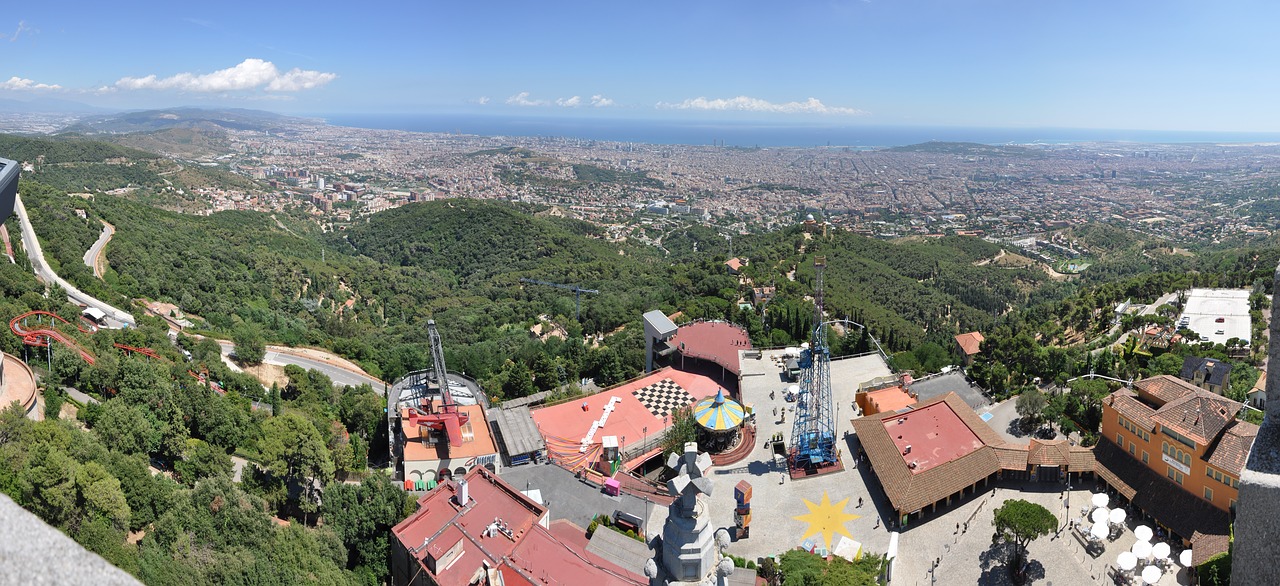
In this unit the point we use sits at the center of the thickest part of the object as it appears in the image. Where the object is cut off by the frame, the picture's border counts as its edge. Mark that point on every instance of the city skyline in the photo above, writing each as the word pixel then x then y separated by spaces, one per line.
pixel 1176 66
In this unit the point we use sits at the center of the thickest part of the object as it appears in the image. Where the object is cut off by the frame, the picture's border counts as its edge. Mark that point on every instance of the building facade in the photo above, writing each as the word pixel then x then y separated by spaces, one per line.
pixel 1182 433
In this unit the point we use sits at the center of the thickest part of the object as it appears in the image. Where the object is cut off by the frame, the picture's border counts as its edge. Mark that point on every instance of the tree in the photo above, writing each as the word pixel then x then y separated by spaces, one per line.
pixel 293 450
pixel 1020 522
pixel 126 428
pixel 1167 363
pixel 1031 404
pixel 683 429
pixel 250 349
pixel 200 461
pixel 362 515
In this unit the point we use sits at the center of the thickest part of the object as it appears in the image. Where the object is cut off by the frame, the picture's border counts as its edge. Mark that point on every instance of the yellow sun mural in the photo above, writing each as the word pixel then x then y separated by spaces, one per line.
pixel 826 519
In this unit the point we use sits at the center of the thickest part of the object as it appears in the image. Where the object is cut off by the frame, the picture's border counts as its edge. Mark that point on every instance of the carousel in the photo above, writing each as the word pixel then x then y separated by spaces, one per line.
pixel 720 419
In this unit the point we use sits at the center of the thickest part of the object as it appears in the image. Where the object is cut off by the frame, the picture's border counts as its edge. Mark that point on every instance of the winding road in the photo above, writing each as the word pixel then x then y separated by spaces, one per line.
pixel 45 273
pixel 333 367
pixel 93 257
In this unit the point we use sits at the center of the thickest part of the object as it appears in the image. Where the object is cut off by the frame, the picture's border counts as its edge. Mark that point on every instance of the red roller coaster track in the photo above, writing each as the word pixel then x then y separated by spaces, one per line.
pixel 38 334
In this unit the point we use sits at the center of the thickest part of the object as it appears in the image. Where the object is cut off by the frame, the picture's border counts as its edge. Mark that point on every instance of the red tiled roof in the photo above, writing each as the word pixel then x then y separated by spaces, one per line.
pixel 716 341
pixel 970 342
pixel 531 554
pixel 1126 403
pixel 1165 387
pixel 1201 416
pixel 1048 453
pixel 1232 449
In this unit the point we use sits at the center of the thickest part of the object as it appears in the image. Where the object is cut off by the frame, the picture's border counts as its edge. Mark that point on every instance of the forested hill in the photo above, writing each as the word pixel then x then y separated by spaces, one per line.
pixel 65 150
pixel 477 240
pixel 907 292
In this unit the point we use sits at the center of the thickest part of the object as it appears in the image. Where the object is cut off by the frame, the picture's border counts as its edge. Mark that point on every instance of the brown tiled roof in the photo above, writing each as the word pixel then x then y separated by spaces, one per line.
pixel 970 342
pixel 1126 403
pixel 1207 545
pixel 1200 416
pixel 910 491
pixel 1011 456
pixel 1166 387
pixel 1171 506
pixel 1232 449
pixel 1082 459
pixel 1048 453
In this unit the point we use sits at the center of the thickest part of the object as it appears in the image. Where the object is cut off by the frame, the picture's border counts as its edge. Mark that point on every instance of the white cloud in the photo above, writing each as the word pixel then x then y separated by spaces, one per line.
pixel 249 74
pixel 22 28
pixel 522 99
pixel 569 102
pixel 748 104
pixel 600 101
pixel 482 100
pixel 20 84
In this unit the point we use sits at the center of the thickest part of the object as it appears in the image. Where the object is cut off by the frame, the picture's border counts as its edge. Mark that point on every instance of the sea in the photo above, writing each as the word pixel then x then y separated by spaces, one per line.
pixel 758 134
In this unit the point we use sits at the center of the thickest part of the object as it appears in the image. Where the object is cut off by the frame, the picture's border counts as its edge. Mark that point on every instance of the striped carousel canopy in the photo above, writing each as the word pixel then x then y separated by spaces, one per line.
pixel 718 413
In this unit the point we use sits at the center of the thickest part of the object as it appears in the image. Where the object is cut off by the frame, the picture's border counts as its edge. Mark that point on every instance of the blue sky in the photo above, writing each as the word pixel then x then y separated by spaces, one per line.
pixel 1165 65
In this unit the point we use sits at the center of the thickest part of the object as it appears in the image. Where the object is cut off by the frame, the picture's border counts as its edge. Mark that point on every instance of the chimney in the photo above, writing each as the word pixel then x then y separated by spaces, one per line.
pixel 463 493
pixel 908 450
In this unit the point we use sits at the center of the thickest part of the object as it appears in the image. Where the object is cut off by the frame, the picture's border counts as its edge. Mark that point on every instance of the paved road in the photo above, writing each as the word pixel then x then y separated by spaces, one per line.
pixel 46 274
pixel 280 356
pixel 79 396
pixel 91 256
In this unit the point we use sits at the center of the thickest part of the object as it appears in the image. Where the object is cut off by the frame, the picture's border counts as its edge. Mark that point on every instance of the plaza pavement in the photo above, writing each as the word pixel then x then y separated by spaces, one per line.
pixel 965 556
pixel 774 505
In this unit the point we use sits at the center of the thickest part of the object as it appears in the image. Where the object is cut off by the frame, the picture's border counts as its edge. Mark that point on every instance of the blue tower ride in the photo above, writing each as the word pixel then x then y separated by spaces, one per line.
pixel 813 438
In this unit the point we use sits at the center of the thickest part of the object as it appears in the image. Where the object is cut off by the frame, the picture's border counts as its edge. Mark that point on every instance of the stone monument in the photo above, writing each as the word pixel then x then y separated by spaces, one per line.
pixel 689 551
pixel 1257 534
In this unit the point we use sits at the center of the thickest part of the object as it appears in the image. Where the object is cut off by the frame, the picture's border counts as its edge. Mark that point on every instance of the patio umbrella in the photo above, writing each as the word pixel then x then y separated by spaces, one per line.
pixel 1142 532
pixel 1099 515
pixel 1101 499
pixel 1142 549
pixel 1117 516
pixel 1184 558
pixel 1127 561
pixel 1151 574
pixel 1160 550
pixel 1099 530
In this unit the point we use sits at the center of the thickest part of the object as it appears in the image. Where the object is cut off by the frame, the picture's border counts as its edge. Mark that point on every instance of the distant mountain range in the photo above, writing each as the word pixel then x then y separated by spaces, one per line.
pixel 48 106
pixel 193 118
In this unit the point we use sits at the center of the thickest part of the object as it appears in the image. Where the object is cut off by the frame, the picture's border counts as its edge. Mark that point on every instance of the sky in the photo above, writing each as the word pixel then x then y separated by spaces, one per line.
pixel 1132 64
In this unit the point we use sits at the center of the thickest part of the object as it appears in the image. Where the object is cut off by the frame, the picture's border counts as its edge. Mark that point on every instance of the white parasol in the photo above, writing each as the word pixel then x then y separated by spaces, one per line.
pixel 1160 550
pixel 1127 561
pixel 1142 532
pixel 1151 574
pixel 1099 530
pixel 1099 515
pixel 1142 549
pixel 1101 499
pixel 1117 516
pixel 1184 558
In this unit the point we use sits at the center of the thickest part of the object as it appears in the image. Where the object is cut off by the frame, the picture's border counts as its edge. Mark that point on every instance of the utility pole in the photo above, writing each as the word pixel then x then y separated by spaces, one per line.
pixel 577 293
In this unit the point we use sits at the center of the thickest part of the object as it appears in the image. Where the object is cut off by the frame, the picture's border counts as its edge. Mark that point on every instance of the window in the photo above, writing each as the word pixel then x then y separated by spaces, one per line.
pixel 468 434
pixel 1177 436
pixel 1120 439
pixel 1144 457
pixel 1174 475
pixel 1208 471
pixel 1131 446
pixel 1208 494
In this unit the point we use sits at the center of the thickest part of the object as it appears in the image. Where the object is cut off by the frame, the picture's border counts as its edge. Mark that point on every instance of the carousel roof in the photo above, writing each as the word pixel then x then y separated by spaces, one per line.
pixel 718 413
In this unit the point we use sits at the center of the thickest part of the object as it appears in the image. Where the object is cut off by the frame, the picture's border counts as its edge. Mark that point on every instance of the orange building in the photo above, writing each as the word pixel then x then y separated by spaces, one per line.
pixel 1190 447
pixel 895 398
